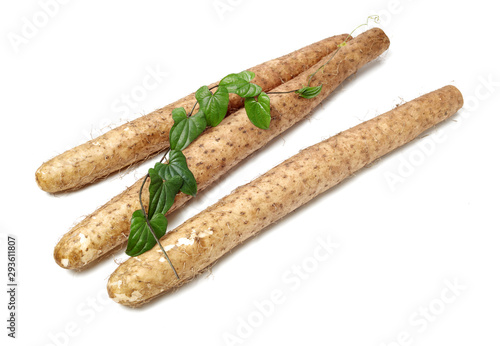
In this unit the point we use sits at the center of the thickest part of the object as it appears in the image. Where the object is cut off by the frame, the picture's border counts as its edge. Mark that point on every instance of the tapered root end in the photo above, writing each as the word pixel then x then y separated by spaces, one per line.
pixel 118 292
pixel 457 94
pixel 41 179
pixel 64 259
pixel 74 251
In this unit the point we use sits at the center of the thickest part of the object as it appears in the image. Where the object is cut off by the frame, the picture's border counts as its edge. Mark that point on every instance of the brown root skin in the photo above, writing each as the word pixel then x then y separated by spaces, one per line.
pixel 286 110
pixel 199 242
pixel 137 140
pixel 212 155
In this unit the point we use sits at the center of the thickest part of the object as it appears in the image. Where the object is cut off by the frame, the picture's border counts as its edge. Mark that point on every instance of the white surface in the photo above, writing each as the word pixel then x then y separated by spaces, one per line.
pixel 397 248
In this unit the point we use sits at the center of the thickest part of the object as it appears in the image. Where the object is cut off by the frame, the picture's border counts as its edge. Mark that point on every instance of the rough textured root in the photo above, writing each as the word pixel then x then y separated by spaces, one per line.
pixel 217 151
pixel 200 241
pixel 136 140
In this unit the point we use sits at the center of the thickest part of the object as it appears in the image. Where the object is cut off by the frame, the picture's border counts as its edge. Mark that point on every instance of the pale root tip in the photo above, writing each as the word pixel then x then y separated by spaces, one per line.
pixel 41 179
pixel 64 263
pixel 115 293
pixel 63 259
pixel 38 177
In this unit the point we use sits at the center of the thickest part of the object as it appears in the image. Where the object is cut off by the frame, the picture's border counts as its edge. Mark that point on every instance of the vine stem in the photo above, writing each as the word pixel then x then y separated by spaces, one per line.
pixel 163 157
pixel 192 110
pixel 375 18
pixel 151 228
pixel 144 209
pixel 282 92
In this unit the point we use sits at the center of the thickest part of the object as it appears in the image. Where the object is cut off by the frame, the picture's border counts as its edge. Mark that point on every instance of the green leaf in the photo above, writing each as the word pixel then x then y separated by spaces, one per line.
pixel 239 83
pixel 177 166
pixel 178 114
pixel 309 92
pixel 186 130
pixel 259 111
pixel 249 90
pixel 213 105
pixel 162 192
pixel 234 80
pixel 141 239
pixel 247 75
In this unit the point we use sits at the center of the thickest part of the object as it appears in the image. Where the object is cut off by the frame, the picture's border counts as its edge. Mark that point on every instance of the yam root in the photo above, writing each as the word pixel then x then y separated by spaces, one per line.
pixel 202 240
pixel 218 150
pixel 137 140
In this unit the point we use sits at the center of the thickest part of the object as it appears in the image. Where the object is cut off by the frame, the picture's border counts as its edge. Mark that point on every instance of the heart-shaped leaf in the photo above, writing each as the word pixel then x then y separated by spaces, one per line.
pixel 177 166
pixel 239 83
pixel 259 111
pixel 213 105
pixel 162 192
pixel 186 130
pixel 141 239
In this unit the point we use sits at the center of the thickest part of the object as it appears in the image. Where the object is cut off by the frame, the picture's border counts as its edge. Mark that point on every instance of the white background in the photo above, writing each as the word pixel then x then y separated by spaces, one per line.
pixel 399 245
